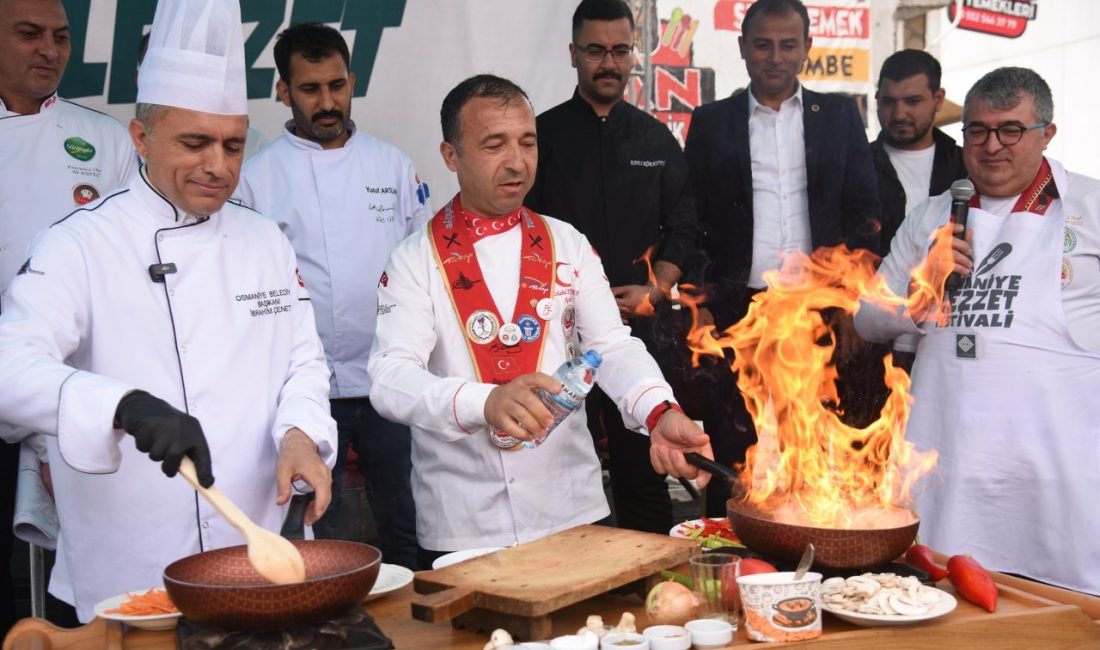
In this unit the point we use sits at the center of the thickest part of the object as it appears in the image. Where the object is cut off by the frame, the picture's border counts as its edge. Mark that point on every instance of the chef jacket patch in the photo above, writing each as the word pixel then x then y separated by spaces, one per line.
pixel 79 148
pixel 422 192
pixel 1067 273
pixel 384 281
pixel 84 194
pixel 966 346
pixel 529 327
pixel 1070 241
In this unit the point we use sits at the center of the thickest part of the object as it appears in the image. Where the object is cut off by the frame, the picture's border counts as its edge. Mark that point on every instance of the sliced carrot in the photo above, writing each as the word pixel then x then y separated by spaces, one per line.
pixel 150 603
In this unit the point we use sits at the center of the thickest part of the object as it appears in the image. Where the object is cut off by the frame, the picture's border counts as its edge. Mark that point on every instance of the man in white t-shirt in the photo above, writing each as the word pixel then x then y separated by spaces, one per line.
pixel 913 159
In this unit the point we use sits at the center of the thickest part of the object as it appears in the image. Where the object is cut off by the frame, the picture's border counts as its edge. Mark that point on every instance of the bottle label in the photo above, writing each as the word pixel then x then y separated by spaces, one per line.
pixel 502 440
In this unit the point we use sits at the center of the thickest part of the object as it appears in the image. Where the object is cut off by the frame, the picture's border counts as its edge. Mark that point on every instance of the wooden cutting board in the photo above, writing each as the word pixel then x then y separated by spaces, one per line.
pixel 544 576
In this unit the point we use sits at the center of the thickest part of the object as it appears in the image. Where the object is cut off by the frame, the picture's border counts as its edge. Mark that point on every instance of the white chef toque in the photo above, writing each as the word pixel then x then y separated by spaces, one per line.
pixel 195 58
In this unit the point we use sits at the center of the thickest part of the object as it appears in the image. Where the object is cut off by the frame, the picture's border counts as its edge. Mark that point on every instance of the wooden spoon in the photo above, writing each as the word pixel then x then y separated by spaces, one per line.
pixel 272 555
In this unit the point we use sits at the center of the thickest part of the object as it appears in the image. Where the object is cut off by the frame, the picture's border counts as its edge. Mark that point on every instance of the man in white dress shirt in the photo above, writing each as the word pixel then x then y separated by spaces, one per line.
pixel 451 359
pixel 345 199
pixel 162 322
pixel 777 168
pixel 1005 387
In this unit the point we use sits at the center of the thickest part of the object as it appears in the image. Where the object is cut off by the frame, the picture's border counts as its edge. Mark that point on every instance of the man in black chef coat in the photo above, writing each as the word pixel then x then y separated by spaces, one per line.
pixel 619 176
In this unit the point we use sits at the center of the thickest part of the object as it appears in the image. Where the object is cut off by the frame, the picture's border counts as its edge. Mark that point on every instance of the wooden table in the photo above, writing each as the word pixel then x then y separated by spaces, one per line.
pixel 1028 616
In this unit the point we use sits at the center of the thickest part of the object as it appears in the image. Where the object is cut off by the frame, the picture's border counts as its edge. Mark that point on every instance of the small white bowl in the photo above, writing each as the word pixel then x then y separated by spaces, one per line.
pixel 586 640
pixel 668 637
pixel 613 641
pixel 709 633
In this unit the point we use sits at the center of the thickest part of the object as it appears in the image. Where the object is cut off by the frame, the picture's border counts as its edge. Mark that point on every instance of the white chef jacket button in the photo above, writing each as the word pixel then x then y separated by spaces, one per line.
pixel 206 524
pixel 183 349
pixel 192 407
pixel 511 480
pixel 160 237
pixel 171 292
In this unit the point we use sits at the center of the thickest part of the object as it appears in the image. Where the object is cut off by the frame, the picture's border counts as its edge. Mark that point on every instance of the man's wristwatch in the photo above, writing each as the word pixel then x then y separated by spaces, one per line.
pixel 658 411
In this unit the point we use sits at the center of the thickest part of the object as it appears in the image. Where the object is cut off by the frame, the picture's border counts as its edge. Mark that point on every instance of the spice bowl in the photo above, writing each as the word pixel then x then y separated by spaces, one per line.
pixel 668 637
pixel 624 640
pixel 707 633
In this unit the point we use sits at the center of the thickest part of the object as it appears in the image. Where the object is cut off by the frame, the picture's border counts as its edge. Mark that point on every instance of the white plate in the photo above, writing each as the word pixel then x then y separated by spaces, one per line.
pixel 462 556
pixel 391 577
pixel 675 530
pixel 945 606
pixel 151 622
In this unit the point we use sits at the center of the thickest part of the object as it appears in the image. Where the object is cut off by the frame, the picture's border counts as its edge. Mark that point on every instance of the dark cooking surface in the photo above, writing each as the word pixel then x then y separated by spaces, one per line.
pixel 220 588
pixel 355 630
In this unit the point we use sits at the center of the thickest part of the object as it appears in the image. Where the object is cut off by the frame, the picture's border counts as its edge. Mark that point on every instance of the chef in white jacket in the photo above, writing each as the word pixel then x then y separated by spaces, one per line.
pixel 345 199
pixel 474 311
pixel 162 320
pixel 55 155
pixel 1005 390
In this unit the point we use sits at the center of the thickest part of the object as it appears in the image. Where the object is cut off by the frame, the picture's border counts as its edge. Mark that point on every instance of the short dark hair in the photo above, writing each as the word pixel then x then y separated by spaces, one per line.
pixel 1004 88
pixel 313 41
pixel 908 63
pixel 482 85
pixel 600 10
pixel 773 7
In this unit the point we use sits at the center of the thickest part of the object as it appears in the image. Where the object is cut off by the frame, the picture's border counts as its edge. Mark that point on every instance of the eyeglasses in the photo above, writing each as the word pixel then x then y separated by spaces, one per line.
pixel 596 53
pixel 1007 134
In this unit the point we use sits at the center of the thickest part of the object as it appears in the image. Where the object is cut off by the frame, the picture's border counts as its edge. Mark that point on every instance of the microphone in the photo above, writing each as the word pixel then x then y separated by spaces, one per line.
pixel 158 271
pixel 962 191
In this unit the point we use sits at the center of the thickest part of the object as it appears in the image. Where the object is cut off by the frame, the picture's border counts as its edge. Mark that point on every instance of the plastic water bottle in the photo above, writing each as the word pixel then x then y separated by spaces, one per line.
pixel 577 376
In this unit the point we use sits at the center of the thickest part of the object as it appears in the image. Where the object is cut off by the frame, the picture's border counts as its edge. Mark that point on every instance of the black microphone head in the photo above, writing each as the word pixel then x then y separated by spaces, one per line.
pixel 962 190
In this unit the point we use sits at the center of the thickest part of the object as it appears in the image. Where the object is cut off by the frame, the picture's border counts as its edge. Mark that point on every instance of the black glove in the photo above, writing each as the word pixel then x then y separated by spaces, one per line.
pixel 165 433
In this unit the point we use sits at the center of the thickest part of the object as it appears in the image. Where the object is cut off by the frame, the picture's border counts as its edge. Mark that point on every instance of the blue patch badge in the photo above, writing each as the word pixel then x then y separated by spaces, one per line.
pixel 422 192
pixel 529 327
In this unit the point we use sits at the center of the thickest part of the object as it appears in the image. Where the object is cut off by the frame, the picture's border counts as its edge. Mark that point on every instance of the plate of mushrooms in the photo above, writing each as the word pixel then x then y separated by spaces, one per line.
pixel 881 599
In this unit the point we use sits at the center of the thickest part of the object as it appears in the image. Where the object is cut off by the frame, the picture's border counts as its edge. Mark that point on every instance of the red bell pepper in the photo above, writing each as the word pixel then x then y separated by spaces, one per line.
pixel 973 582
pixel 920 556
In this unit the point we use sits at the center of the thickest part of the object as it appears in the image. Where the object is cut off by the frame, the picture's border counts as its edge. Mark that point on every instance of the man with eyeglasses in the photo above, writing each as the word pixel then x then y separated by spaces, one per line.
pixel 778 168
pixel 1004 385
pixel 619 176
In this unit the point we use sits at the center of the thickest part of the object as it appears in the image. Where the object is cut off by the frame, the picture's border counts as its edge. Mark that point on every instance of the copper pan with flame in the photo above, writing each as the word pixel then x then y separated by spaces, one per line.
pixel 836 548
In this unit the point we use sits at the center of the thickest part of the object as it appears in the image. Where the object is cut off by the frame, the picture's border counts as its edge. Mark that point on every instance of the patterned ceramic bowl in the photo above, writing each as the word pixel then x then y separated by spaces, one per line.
pixel 221 589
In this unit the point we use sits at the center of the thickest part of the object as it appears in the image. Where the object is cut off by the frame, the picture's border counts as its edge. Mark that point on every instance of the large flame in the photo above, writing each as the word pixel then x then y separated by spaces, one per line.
pixel 808 467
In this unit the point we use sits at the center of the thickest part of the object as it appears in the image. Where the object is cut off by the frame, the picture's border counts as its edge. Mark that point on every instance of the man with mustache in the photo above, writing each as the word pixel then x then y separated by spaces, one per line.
pixel 163 322
pixel 345 199
pixel 1004 384
pixel 451 359
pixel 778 168
pixel 618 175
pixel 55 156
pixel 913 159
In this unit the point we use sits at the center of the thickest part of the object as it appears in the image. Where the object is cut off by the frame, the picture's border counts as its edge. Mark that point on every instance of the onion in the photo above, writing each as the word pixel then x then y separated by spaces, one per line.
pixel 670 603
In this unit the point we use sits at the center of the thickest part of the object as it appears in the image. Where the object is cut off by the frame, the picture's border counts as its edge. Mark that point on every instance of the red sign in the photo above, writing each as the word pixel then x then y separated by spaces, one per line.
pixel 825 21
pixel 1006 18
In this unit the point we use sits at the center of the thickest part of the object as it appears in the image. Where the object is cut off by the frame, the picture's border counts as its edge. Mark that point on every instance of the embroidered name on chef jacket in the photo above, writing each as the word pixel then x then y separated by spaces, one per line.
pixel 267 302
